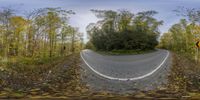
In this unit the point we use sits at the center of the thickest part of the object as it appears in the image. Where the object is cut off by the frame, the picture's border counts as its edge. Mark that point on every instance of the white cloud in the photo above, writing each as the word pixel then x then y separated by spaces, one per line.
pixel 81 20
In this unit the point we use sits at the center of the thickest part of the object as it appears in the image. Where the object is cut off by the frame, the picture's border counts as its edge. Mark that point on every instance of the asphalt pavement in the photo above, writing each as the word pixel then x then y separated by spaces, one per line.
pixel 125 73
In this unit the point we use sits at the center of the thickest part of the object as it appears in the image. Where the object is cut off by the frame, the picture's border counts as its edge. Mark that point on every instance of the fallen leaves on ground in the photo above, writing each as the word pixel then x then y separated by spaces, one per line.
pixel 61 80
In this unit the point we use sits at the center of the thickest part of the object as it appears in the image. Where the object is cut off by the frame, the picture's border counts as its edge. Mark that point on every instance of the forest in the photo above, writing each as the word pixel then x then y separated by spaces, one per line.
pixel 39 34
pixel 181 40
pixel 183 36
pixel 33 47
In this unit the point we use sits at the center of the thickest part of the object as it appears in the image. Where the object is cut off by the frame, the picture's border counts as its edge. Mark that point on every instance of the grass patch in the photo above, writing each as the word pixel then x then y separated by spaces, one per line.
pixel 125 52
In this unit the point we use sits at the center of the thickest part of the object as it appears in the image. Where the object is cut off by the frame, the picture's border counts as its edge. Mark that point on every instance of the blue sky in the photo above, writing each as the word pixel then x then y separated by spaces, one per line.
pixel 83 15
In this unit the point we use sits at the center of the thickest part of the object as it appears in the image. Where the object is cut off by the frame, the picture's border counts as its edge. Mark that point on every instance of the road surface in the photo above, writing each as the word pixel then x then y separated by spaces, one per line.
pixel 122 73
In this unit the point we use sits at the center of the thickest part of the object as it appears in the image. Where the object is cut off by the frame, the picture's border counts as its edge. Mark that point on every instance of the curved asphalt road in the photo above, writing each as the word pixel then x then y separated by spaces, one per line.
pixel 126 69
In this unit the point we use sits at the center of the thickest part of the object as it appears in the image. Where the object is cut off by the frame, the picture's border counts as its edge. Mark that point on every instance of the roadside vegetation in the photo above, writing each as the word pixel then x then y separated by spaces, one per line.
pixel 181 40
pixel 125 52
pixel 123 32
pixel 38 35
pixel 182 36
pixel 39 53
pixel 56 79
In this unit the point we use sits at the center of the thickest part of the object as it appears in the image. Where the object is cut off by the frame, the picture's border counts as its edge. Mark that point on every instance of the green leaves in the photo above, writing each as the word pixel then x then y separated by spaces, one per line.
pixel 121 30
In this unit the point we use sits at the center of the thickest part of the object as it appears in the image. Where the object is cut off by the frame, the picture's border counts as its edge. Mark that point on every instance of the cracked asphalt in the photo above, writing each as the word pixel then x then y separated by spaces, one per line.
pixel 125 66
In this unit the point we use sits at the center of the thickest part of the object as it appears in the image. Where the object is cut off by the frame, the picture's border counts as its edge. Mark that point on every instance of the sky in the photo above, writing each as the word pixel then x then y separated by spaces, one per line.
pixel 84 16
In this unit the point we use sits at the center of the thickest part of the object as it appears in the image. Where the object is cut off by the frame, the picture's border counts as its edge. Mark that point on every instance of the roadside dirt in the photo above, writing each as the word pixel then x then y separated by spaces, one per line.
pixel 64 82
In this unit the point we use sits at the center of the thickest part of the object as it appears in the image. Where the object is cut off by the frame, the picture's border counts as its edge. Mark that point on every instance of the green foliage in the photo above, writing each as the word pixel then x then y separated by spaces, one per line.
pixel 89 45
pixel 43 34
pixel 123 31
pixel 183 35
pixel 181 38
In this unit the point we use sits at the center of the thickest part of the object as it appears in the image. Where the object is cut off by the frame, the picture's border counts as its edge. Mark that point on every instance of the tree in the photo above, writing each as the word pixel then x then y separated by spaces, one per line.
pixel 5 15
pixel 43 33
pixel 18 25
pixel 182 36
pixel 48 24
pixel 122 30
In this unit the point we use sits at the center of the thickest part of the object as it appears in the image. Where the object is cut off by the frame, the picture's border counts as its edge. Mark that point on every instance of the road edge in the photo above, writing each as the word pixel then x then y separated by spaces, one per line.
pixel 126 79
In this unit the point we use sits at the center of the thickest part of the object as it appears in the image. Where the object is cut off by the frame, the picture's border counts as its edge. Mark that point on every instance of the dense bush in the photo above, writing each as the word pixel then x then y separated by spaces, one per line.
pixel 124 31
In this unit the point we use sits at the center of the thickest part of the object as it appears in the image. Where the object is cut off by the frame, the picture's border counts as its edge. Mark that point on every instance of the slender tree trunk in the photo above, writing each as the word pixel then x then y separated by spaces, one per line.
pixel 73 40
